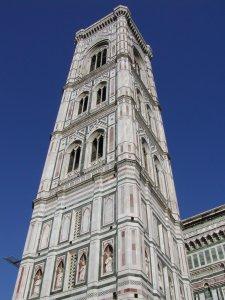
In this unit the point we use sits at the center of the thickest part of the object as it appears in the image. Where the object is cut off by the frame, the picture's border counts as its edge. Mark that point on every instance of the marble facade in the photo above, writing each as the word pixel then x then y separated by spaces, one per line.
pixel 105 223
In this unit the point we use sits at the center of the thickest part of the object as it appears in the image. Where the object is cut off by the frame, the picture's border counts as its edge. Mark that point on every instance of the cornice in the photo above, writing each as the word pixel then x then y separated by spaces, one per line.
pixel 102 170
pixel 91 75
pixel 73 182
pixel 204 217
pixel 109 19
pixel 87 119
pixel 213 275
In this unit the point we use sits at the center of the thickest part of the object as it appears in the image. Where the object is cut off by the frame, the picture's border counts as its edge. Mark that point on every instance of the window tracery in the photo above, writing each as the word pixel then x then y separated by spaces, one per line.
pixel 101 94
pixel 171 287
pixel 97 147
pixel 74 160
pixel 161 277
pixel 83 104
pixel 145 154
pixel 99 59
pixel 139 98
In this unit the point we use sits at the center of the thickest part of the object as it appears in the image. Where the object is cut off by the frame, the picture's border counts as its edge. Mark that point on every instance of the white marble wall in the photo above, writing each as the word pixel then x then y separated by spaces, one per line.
pixel 120 172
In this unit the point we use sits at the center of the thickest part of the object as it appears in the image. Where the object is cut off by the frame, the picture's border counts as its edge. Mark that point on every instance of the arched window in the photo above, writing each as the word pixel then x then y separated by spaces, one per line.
pixel 93 62
pixel 145 157
pixel 83 104
pixel 147 263
pixel 149 114
pixel 182 291
pixel 137 59
pixel 74 160
pixel 138 93
pixel 101 93
pixel 99 59
pixel 160 178
pixel 97 147
pixel 145 153
pixel 207 292
pixel 171 286
pixel 137 68
pixel 157 170
pixel 161 278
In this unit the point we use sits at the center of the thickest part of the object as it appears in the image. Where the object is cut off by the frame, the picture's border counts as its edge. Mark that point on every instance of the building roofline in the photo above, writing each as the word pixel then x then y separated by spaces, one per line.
pixel 108 19
pixel 199 218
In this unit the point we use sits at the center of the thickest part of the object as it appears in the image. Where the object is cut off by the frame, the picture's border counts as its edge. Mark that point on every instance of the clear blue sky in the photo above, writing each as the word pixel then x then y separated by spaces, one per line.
pixel 36 47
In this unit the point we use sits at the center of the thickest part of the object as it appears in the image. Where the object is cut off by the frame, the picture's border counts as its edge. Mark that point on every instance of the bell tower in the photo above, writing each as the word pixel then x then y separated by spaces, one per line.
pixel 105 223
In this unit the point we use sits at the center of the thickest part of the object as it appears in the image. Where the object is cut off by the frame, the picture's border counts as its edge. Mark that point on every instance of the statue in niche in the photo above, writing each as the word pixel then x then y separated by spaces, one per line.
pixel 147 261
pixel 82 268
pixel 45 236
pixel 86 220
pixel 59 275
pixel 37 283
pixel 108 259
pixel 65 228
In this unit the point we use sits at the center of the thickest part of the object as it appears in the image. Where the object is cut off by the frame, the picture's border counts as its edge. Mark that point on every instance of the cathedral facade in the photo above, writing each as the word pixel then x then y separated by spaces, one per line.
pixel 205 245
pixel 105 222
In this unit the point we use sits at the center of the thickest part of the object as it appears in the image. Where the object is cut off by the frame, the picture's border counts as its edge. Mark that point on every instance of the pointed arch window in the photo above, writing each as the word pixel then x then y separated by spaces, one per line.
pixel 138 93
pixel 171 287
pixel 149 114
pixel 145 153
pixel 83 104
pixel 101 94
pixel 145 157
pixel 137 67
pixel 99 59
pixel 157 170
pixel 97 147
pixel 161 277
pixel 93 62
pixel 74 160
pixel 137 60
pixel 208 292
